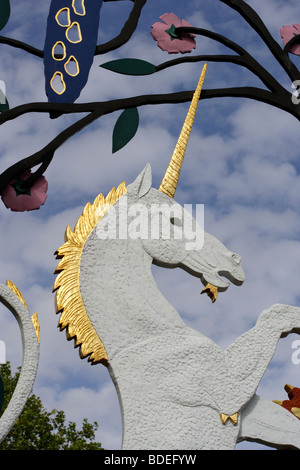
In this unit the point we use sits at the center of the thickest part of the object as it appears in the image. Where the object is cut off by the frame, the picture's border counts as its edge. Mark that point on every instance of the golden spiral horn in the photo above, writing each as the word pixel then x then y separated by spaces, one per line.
pixel 169 182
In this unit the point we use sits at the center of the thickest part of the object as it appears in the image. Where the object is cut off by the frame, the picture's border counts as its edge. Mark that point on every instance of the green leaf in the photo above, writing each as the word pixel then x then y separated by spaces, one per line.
pixel 125 128
pixel 4 12
pixel 130 66
pixel 4 106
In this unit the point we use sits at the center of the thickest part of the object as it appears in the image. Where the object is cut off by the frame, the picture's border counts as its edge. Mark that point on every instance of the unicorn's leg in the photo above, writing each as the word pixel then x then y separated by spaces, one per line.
pixel 250 354
pixel 267 423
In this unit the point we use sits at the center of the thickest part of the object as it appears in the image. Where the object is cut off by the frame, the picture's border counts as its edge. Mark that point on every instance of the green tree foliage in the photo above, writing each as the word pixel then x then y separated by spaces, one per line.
pixel 38 429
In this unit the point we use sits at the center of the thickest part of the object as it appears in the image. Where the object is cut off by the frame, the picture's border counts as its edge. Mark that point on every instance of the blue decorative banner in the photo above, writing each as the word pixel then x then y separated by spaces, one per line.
pixel 71 40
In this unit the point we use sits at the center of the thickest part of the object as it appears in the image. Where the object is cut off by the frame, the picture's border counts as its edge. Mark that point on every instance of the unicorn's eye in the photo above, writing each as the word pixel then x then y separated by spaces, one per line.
pixel 176 221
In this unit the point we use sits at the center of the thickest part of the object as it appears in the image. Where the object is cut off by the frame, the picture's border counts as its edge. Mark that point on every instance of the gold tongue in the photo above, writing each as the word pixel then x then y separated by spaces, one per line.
pixel 211 291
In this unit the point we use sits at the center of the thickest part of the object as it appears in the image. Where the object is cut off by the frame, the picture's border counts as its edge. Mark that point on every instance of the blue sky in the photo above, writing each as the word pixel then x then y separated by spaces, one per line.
pixel 241 163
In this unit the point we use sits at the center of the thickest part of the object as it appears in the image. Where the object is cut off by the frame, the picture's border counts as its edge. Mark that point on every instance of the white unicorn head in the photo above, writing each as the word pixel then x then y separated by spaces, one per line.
pixel 172 237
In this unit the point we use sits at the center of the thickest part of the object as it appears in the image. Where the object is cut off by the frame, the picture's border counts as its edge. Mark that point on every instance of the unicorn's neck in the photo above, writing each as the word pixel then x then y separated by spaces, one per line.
pixel 121 296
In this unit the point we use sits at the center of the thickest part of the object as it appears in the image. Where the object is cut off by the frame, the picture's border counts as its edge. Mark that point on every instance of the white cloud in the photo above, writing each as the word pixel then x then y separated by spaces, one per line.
pixel 241 162
pixel 275 14
pixel 99 404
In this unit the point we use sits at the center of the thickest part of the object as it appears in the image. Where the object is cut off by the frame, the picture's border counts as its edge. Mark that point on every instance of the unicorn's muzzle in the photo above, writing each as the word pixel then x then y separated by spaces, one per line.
pixel 236 276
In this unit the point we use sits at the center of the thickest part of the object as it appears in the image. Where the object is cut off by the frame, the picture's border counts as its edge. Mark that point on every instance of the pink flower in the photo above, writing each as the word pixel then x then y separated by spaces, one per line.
pixel 166 37
pixel 289 32
pixel 20 199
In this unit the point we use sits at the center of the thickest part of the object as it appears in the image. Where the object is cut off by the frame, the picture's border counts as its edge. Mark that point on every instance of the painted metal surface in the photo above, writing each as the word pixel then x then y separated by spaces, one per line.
pixel 71 39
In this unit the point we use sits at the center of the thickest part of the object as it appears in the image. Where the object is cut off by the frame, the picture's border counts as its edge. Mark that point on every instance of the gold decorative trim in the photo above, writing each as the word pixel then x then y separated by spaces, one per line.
pixel 61 80
pixel 75 24
pixel 36 325
pixel 68 17
pixel 63 56
pixel 82 6
pixel 34 317
pixel 16 291
pixel 73 59
pixel 233 418
pixel 296 411
pixel 69 303
pixel 169 183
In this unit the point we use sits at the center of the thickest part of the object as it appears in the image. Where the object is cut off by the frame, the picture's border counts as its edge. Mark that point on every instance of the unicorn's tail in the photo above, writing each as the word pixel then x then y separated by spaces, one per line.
pixel 11 297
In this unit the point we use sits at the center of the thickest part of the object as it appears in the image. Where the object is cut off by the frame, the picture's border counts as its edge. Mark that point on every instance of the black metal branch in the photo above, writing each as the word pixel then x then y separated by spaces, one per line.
pixel 246 59
pixel 43 156
pixel 258 94
pixel 22 45
pixel 99 107
pixel 256 23
pixel 235 59
pixel 212 35
pixel 126 32
pixel 276 96
pixel 45 107
pixel 96 110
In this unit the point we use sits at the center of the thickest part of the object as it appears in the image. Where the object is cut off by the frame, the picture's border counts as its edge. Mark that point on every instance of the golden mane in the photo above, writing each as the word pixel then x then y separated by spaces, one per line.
pixel 69 303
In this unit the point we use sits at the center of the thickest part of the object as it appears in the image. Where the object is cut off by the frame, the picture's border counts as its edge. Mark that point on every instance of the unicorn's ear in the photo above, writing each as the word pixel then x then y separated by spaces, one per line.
pixel 142 184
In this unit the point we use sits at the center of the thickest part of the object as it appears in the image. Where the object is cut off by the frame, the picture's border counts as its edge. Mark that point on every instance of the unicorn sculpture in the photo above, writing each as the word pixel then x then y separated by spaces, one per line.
pixel 177 389
pixel 11 297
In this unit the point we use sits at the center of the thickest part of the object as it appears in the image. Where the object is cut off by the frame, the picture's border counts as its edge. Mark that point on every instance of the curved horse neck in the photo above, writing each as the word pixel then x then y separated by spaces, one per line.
pixel 121 297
